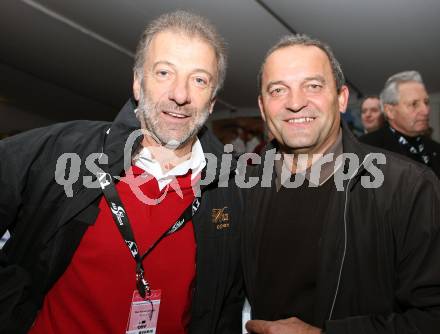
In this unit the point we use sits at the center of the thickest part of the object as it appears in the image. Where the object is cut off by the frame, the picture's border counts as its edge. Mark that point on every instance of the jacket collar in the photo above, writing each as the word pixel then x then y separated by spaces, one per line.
pixel 350 144
pixel 115 142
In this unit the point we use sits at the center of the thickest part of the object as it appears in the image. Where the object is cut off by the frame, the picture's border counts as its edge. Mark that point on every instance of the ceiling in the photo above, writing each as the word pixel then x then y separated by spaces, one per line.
pixel 62 60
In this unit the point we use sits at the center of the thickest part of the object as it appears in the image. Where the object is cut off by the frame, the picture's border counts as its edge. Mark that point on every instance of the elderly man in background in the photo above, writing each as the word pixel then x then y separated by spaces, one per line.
pixel 371 115
pixel 405 103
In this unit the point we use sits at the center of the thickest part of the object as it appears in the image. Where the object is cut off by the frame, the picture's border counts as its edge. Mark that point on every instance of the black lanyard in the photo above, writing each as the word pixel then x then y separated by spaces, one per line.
pixel 123 224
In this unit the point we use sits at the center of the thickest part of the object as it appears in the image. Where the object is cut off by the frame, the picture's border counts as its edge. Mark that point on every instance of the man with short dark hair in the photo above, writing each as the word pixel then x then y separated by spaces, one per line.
pixel 405 103
pixel 371 116
pixel 335 239
pixel 156 251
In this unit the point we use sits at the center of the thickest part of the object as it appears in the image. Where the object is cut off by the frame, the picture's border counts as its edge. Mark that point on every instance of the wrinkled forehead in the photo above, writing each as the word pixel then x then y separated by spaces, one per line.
pixel 173 38
pixel 411 90
pixel 296 61
pixel 181 50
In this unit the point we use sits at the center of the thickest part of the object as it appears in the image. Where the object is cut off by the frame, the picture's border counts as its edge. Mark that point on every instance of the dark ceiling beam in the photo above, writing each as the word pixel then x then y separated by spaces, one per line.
pixel 78 27
pixel 276 16
pixel 293 31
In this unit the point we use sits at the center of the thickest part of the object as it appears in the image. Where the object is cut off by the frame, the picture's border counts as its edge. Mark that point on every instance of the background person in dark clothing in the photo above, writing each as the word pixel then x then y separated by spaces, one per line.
pixel 405 103
pixel 361 258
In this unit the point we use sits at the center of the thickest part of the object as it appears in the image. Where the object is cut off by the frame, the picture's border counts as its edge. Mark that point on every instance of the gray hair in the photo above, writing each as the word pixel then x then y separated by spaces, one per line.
pixel 304 40
pixel 390 93
pixel 190 24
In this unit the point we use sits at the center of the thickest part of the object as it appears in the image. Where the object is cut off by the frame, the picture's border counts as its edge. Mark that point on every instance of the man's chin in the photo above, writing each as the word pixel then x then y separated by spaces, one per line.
pixel 423 129
pixel 173 144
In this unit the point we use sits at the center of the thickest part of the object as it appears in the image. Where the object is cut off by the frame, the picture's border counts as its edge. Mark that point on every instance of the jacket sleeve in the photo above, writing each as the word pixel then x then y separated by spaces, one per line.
pixel 10 198
pixel 16 154
pixel 417 283
pixel 230 321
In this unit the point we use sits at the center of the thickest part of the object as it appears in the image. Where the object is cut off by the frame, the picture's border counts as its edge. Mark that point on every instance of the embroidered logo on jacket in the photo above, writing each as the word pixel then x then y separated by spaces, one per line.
pixel 220 218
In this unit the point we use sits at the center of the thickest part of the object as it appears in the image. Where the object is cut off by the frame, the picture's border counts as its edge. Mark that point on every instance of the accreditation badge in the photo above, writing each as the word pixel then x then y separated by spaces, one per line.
pixel 144 313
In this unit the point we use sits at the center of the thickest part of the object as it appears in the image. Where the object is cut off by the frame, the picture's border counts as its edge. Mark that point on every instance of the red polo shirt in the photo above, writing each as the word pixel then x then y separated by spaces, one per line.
pixel 94 294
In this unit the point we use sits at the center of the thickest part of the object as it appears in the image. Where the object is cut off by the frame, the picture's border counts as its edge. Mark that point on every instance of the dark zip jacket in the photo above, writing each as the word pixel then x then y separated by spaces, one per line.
pixel 379 269
pixel 46 226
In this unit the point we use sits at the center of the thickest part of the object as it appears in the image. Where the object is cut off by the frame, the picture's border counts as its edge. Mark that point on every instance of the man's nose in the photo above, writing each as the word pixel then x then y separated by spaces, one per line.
pixel 179 92
pixel 425 109
pixel 297 100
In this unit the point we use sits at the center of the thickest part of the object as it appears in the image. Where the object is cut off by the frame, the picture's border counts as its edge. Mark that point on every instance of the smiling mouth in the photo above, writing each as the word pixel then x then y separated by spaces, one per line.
pixel 175 115
pixel 301 120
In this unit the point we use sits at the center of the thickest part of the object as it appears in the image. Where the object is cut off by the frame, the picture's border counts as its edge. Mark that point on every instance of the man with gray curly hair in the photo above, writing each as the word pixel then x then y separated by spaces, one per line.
pixel 106 239
pixel 405 103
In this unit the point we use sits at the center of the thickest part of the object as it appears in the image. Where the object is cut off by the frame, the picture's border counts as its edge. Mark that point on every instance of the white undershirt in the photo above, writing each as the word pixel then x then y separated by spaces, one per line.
pixel 196 163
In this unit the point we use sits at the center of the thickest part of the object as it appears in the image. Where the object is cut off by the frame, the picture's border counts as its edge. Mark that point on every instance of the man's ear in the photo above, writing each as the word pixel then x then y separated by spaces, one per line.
pixel 261 106
pixel 388 110
pixel 136 87
pixel 343 98
pixel 212 103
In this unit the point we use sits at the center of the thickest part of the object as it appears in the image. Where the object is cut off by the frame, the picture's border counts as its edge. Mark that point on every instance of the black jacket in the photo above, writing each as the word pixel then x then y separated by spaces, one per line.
pixel 46 226
pixel 379 269
pixel 383 138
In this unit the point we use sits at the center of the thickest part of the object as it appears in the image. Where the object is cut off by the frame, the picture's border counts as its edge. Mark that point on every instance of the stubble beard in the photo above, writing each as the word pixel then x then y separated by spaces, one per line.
pixel 148 113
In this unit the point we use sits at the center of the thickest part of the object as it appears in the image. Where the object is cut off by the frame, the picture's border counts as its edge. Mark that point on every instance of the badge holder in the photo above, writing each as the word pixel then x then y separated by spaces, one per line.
pixel 144 313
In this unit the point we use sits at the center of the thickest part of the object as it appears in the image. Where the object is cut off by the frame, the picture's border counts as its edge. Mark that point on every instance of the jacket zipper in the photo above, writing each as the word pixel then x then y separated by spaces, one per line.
pixel 359 170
